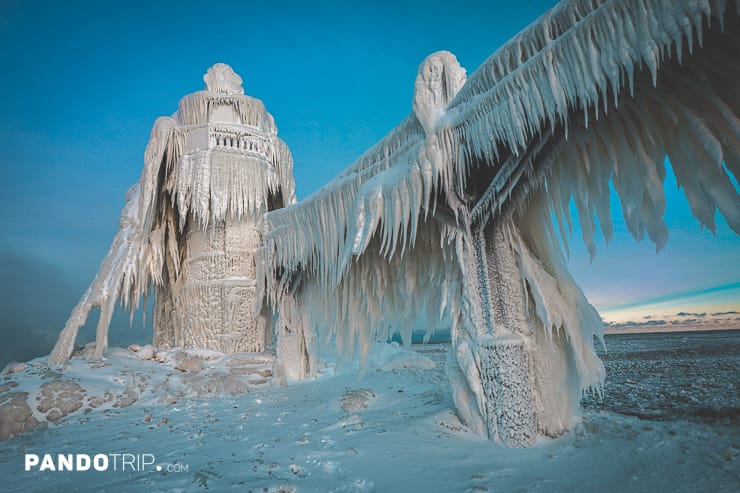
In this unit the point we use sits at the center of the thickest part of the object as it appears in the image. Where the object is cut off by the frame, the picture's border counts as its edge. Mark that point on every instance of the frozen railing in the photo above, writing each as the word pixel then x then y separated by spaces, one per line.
pixel 226 136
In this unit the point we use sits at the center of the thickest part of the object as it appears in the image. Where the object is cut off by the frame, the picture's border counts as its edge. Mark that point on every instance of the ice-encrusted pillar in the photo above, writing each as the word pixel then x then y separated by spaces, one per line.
pixel 519 359
pixel 521 343
pixel 490 364
pixel 495 336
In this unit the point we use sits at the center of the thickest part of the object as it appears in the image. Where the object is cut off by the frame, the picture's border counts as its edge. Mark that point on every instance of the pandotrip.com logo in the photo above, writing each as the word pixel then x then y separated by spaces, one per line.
pixel 115 462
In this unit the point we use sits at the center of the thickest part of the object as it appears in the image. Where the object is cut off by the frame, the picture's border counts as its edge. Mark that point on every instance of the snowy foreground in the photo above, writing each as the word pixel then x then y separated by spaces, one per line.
pixel 391 429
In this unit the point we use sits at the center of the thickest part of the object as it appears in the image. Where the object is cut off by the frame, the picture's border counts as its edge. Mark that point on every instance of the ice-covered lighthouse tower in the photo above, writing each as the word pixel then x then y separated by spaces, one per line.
pixel 192 224
pixel 229 140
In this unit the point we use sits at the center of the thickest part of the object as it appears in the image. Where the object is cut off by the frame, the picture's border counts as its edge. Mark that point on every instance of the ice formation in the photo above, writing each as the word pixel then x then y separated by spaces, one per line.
pixel 457 210
pixel 192 223
pixel 461 211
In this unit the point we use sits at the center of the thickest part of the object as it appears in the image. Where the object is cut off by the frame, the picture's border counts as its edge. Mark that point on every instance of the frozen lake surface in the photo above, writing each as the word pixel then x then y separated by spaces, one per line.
pixel 668 422
pixel 693 376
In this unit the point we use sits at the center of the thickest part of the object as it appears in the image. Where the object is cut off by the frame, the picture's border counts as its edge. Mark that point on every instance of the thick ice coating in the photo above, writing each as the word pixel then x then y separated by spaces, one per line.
pixel 191 225
pixel 456 210
pixel 461 212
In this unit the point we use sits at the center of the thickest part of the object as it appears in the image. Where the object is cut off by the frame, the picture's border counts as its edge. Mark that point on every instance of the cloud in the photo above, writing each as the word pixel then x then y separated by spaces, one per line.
pixel 630 323
pixel 682 321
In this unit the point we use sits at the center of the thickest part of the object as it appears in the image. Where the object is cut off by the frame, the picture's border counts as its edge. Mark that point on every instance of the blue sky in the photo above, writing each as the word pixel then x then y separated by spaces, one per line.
pixel 84 81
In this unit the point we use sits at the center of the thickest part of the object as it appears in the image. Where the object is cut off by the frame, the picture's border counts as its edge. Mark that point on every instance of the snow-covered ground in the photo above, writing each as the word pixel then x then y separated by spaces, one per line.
pixel 669 422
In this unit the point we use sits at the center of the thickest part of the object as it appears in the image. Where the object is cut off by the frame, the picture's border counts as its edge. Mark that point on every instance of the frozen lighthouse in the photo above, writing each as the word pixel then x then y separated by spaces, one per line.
pixel 192 224
pixel 462 212
pixel 230 168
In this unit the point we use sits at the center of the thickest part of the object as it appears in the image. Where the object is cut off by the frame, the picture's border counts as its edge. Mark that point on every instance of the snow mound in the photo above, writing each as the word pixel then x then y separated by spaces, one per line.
pixel 356 399
pixel 34 394
pixel 392 357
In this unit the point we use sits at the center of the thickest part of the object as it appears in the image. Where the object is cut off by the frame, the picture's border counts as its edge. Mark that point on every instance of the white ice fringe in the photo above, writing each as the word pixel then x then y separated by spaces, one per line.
pixel 550 105
pixel 579 56
pixel 376 293
pixel 196 109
